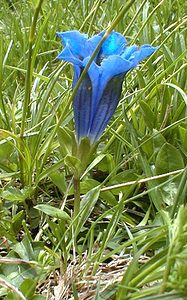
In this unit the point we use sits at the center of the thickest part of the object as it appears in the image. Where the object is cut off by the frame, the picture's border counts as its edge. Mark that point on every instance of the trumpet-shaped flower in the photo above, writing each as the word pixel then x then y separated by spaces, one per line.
pixel 99 92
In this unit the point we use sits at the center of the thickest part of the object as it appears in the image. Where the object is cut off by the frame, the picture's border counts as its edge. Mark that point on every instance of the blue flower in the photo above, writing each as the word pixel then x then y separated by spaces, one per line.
pixel 99 93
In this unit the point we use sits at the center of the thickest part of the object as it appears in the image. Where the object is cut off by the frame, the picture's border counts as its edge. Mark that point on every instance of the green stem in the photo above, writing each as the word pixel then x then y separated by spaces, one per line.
pixel 169 263
pixel 28 79
pixel 4 115
pixel 76 183
pixel 28 83
pixel 94 13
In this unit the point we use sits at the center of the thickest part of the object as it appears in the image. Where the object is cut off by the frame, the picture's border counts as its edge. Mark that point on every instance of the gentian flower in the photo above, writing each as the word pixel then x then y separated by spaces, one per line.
pixel 100 90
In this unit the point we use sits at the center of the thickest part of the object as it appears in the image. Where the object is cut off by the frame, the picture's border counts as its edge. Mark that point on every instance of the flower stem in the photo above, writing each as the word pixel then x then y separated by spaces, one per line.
pixel 76 183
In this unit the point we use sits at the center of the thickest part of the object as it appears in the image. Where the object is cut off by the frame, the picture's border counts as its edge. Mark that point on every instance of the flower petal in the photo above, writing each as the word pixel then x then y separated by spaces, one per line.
pixel 128 51
pixel 114 44
pixel 77 46
pixel 101 75
pixel 82 107
pixel 77 72
pixel 75 41
pixel 94 74
pixel 106 107
pixel 93 42
pixel 112 66
pixel 67 55
pixel 99 92
pixel 143 52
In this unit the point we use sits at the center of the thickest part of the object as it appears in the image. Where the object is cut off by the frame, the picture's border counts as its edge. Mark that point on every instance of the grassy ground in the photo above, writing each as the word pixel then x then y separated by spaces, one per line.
pixel 130 239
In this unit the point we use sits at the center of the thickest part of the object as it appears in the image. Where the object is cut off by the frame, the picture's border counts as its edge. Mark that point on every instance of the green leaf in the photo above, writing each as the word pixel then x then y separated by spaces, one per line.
pixel 148 114
pixel 147 145
pixel 122 177
pixel 169 192
pixel 94 163
pixel 86 207
pixel 50 170
pixel 89 184
pixel 17 221
pixel 13 292
pixel 183 94
pixel 53 211
pixel 168 159
pixel 8 175
pixel 158 141
pixel 59 180
pixel 28 287
pixel 6 149
pixel 141 79
pixel 38 297
pixel 14 194
pixel 7 134
pixel 8 157
pixel 25 250
pixel 106 164
pixel 74 164
pixel 183 136
pixel 65 141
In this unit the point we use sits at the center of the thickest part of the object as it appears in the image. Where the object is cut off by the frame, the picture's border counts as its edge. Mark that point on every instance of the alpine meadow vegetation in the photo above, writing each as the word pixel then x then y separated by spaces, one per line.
pixel 93 150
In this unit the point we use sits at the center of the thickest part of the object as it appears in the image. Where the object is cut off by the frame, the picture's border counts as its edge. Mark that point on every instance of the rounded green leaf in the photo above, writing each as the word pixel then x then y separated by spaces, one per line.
pixel 168 159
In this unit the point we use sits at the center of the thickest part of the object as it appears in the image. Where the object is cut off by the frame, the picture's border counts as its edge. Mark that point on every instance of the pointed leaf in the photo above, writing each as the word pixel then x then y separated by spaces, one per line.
pixel 53 211
pixel 148 114
pixel 59 180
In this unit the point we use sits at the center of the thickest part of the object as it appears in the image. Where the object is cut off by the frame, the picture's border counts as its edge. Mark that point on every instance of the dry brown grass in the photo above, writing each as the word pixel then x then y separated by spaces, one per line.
pixel 80 275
